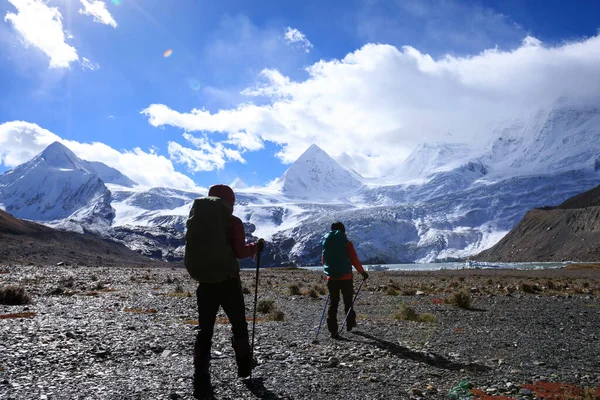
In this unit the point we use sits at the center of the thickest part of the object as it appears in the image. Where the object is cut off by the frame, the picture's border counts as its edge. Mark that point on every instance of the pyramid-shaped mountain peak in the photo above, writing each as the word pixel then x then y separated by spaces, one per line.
pixel 58 155
pixel 316 174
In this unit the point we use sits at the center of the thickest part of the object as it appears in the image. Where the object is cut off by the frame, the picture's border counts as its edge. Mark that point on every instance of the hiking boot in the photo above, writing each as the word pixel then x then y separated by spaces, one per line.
pixel 202 388
pixel 245 367
pixel 335 335
pixel 350 326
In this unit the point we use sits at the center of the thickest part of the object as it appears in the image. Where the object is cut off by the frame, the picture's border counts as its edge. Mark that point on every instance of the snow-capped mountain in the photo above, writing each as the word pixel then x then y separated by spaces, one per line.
pixel 315 175
pixel 448 200
pixel 56 185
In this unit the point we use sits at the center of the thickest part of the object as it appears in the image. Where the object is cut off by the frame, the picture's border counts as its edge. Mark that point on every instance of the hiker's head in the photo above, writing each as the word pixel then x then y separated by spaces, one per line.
pixel 224 192
pixel 338 226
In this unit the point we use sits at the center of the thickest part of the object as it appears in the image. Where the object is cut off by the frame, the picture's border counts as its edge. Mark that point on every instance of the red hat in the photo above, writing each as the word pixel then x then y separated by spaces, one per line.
pixel 224 192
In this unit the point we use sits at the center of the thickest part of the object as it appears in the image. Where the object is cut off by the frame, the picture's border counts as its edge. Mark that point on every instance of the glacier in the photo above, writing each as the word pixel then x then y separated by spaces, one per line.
pixel 445 202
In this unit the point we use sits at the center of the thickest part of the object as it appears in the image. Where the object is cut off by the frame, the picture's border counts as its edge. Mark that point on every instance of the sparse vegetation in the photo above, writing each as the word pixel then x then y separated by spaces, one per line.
pixel 245 290
pixel 276 315
pixel 265 306
pixel 294 289
pixel 312 293
pixel 407 313
pixel 460 299
pixel 320 289
pixel 14 295
pixel 528 288
pixel 391 291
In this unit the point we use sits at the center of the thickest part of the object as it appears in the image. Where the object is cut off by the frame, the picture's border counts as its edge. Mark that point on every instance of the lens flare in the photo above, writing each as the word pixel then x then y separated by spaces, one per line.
pixel 194 84
pixel 117 2
pixel 168 53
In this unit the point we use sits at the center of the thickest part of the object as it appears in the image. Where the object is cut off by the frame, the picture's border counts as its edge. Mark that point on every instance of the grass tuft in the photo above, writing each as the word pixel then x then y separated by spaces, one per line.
pixel 294 289
pixel 265 306
pixel 460 299
pixel 407 313
pixel 13 295
pixel 276 315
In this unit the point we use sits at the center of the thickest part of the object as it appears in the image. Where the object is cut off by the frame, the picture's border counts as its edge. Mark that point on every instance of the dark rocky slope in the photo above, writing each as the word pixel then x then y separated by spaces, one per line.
pixel 568 232
pixel 25 242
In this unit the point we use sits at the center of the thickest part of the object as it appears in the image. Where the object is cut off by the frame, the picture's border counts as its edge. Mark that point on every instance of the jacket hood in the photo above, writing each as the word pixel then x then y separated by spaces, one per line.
pixel 224 192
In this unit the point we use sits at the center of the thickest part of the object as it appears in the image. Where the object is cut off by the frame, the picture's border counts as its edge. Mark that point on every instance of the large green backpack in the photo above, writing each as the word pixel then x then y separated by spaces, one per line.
pixel 209 256
pixel 336 261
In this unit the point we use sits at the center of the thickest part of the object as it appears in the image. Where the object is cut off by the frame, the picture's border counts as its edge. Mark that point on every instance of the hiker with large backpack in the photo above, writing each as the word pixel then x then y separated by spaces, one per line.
pixel 215 239
pixel 338 258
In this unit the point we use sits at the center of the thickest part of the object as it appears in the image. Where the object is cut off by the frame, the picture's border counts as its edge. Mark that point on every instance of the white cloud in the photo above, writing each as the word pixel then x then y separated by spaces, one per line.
pixel 41 26
pixel 294 36
pixel 372 107
pixel 205 156
pixel 20 141
pixel 98 10
pixel 87 64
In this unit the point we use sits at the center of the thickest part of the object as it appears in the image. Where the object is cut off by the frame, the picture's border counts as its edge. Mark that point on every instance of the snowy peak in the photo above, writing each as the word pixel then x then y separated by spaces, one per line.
pixel 316 175
pixel 59 156
pixel 110 175
pixel 54 185
pixel 238 183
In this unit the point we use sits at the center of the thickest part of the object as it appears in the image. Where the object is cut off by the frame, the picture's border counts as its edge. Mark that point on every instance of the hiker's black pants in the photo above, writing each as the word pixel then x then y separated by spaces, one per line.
pixel 347 290
pixel 227 294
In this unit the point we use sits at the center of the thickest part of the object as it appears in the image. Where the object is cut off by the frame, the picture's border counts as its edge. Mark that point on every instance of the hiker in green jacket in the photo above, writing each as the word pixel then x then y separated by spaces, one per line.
pixel 338 258
pixel 215 239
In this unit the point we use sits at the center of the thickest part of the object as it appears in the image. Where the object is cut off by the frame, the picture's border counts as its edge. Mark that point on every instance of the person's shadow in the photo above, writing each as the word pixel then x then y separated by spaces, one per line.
pixel 428 358
pixel 257 387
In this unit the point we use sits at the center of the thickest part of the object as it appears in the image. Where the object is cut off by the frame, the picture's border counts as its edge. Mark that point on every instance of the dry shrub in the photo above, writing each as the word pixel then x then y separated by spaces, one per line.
pixel 527 288
pixel 294 289
pixel 265 306
pixel 390 291
pixel 460 299
pixel 312 293
pixel 276 315
pixel 320 289
pixel 409 292
pixel 13 295
pixel 245 290
pixel 407 313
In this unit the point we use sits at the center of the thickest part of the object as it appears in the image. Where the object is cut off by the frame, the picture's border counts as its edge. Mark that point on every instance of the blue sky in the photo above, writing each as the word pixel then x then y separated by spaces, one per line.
pixel 111 83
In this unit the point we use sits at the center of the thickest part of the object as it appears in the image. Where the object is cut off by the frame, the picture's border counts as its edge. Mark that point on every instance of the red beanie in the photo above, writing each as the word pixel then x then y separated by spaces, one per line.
pixel 224 192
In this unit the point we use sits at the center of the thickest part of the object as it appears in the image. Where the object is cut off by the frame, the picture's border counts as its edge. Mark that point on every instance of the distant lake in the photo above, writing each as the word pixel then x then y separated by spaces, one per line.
pixel 455 265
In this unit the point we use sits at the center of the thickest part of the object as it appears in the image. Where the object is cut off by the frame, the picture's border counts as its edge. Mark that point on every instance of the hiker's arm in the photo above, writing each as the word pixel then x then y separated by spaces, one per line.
pixel 238 240
pixel 354 258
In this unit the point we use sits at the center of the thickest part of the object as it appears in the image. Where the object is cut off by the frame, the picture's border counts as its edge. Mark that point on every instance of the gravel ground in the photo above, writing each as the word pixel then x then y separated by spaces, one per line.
pixel 127 333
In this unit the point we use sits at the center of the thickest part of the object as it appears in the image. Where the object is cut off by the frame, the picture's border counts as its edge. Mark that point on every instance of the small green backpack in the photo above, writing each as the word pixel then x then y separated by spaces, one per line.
pixel 209 256
pixel 336 261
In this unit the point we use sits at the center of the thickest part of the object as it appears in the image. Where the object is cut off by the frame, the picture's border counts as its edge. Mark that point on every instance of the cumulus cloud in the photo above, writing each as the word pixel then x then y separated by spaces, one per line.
pixel 372 107
pixel 97 9
pixel 205 156
pixel 41 26
pixel 20 141
pixel 294 36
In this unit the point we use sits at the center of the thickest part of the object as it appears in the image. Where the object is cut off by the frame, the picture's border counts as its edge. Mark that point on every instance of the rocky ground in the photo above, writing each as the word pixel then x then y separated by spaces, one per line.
pixel 127 333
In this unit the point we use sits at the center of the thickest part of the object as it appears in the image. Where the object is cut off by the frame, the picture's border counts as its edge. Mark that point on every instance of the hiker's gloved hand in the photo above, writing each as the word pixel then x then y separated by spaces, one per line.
pixel 260 245
pixel 364 274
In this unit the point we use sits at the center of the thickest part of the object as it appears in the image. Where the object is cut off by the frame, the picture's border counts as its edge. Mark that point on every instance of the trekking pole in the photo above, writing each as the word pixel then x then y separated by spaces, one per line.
pixel 321 321
pixel 352 305
pixel 254 316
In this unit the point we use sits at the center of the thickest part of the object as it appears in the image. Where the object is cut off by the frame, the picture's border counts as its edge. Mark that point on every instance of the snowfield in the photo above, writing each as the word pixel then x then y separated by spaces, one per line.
pixel 447 201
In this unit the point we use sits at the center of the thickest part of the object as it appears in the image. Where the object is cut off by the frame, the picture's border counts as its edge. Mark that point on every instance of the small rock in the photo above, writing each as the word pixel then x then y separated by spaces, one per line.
pixel 525 392
pixel 60 264
pixel 333 362
pixel 165 354
pixel 419 293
